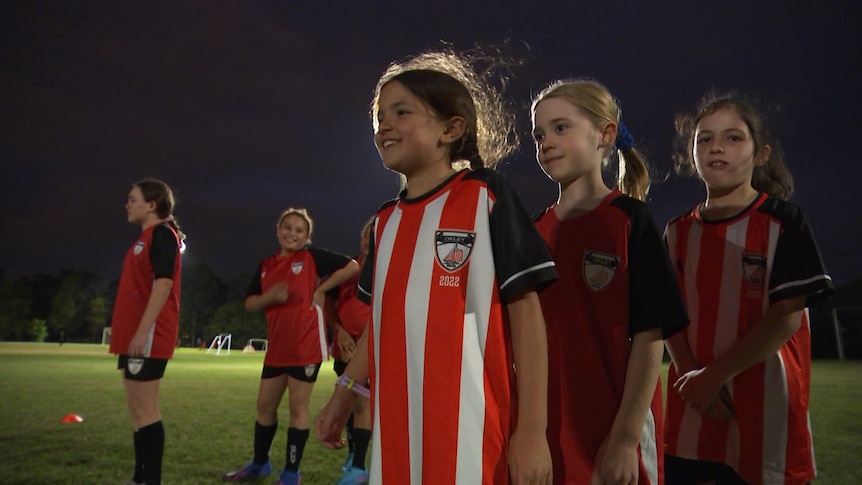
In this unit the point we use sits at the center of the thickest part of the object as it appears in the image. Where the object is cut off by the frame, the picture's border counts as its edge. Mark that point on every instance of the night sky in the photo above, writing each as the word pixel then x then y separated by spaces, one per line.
pixel 247 108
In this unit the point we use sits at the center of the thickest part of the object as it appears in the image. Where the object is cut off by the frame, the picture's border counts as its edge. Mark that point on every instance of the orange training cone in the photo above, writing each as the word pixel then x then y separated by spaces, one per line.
pixel 71 418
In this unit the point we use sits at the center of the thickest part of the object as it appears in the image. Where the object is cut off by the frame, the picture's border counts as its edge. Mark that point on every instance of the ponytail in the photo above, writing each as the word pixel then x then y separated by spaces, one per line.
pixel 633 175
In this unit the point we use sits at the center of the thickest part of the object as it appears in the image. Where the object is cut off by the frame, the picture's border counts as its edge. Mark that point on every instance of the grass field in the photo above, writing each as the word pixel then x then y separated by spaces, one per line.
pixel 208 405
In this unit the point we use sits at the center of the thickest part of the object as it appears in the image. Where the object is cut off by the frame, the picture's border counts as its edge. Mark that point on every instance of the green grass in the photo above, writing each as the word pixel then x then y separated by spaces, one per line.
pixel 208 406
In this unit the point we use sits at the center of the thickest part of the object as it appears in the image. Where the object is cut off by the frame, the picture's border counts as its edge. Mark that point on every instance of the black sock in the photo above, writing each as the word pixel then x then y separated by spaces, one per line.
pixel 349 431
pixel 152 449
pixel 139 464
pixel 361 438
pixel 263 436
pixel 296 439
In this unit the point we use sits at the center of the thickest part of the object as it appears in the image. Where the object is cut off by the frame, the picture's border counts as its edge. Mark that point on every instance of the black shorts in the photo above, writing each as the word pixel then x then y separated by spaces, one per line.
pixel 305 373
pixel 339 366
pixel 681 471
pixel 141 368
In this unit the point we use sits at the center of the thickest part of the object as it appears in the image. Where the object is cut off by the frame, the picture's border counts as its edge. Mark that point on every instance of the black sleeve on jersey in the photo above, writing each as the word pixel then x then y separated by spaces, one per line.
pixel 163 252
pixel 522 259
pixel 655 300
pixel 798 269
pixel 255 288
pixel 327 262
pixel 366 276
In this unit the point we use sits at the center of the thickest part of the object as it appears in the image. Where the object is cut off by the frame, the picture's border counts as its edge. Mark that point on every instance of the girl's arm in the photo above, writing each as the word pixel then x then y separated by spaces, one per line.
pixel 275 295
pixel 158 297
pixel 529 455
pixel 700 387
pixel 617 458
pixel 333 417
pixel 336 278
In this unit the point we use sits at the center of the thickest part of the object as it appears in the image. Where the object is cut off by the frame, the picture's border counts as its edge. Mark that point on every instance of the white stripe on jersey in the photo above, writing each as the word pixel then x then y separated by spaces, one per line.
pixel 730 289
pixel 480 284
pixel 471 409
pixel 790 284
pixel 321 331
pixel 775 415
pixel 649 448
pixel 691 421
pixel 381 268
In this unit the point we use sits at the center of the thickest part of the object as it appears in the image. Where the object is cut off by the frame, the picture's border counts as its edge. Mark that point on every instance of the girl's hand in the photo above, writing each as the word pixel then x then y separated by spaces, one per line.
pixel 277 294
pixel 333 418
pixel 616 463
pixel 137 345
pixel 318 298
pixel 699 388
pixel 529 457
pixel 345 344
pixel 722 408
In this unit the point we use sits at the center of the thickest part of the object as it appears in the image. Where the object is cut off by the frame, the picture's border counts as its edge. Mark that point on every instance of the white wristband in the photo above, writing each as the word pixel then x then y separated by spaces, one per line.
pixel 348 382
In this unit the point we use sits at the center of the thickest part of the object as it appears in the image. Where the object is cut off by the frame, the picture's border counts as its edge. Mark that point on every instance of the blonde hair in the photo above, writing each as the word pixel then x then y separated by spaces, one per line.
pixel 302 214
pixel 599 105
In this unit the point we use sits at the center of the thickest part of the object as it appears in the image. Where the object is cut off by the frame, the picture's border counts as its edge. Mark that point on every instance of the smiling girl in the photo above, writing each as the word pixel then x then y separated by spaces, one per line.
pixel 456 351
pixel 287 286
pixel 748 267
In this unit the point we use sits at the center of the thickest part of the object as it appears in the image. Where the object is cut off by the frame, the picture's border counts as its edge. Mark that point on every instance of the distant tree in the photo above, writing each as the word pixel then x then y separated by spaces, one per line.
pixel 233 318
pixel 79 304
pixel 201 294
pixel 16 301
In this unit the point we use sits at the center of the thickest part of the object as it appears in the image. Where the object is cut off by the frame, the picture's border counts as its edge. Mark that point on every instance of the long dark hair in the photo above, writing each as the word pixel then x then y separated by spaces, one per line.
pixel 154 190
pixel 448 83
pixel 771 177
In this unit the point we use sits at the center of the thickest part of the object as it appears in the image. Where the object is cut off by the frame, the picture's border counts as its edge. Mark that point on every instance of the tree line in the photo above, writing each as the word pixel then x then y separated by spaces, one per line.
pixel 77 305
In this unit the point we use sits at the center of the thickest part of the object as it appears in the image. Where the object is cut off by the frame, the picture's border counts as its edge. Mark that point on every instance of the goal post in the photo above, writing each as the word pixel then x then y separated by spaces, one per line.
pixel 220 341
pixel 106 336
pixel 255 345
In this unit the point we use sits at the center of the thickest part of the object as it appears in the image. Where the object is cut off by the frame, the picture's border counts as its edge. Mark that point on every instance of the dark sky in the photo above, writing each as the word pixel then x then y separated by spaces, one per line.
pixel 247 108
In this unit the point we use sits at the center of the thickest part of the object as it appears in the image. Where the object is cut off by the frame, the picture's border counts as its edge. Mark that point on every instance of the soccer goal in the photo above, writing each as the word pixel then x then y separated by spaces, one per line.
pixel 255 345
pixel 220 341
pixel 106 336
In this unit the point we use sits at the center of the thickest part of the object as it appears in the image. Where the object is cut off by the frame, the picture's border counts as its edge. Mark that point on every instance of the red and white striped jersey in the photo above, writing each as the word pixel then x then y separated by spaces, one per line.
pixel 615 281
pixel 295 331
pixel 730 271
pixel 440 270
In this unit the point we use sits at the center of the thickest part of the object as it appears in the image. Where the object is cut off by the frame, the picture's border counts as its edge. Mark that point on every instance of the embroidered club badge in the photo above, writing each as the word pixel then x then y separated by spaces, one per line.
pixel 454 248
pixel 754 268
pixel 599 269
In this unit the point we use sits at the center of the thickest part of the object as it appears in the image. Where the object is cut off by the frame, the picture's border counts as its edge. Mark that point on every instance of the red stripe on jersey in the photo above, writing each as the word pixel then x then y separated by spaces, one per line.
pixel 394 441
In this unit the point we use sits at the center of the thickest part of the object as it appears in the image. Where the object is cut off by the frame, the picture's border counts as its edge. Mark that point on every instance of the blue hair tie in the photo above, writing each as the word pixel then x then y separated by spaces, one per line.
pixel 625 140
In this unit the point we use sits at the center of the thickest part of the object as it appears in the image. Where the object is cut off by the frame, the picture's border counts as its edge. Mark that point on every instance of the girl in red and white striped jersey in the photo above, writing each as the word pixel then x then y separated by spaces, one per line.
pixel 616 298
pixel 456 352
pixel 146 318
pixel 748 267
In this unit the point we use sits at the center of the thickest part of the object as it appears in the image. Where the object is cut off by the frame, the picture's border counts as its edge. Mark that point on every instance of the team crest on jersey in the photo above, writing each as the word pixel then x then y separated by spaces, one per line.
pixel 135 365
pixel 599 269
pixel 139 247
pixel 296 267
pixel 454 248
pixel 754 268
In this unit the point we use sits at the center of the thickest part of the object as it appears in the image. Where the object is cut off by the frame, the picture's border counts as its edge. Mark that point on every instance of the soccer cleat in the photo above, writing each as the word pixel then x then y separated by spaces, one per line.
pixel 289 477
pixel 348 463
pixel 354 475
pixel 251 471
